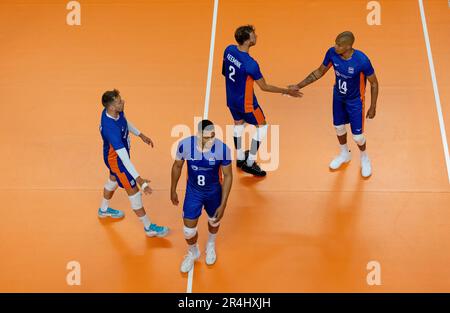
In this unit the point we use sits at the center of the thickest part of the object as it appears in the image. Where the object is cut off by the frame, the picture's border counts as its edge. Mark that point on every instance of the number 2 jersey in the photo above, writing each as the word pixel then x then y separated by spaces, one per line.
pixel 351 74
pixel 240 71
pixel 203 168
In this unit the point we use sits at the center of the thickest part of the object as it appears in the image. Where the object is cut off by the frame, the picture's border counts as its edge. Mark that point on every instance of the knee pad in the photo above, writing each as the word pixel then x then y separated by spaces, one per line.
pixel 359 139
pixel 238 130
pixel 340 130
pixel 261 133
pixel 136 201
pixel 189 232
pixel 211 222
pixel 111 185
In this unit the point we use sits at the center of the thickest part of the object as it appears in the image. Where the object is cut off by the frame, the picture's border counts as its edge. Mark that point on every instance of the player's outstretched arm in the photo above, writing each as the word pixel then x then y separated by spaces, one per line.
pixel 373 96
pixel 142 182
pixel 176 173
pixel 226 187
pixel 315 75
pixel 138 133
pixel 269 88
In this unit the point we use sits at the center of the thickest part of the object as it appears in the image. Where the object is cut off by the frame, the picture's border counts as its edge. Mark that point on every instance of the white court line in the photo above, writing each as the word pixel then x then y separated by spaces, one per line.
pixel 207 99
pixel 211 59
pixel 435 88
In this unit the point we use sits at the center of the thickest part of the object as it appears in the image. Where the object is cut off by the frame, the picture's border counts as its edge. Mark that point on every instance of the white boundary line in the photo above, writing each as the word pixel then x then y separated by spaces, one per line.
pixel 207 99
pixel 211 59
pixel 435 88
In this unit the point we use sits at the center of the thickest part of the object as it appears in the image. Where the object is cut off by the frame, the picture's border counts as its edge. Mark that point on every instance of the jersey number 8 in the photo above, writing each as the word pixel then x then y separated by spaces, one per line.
pixel 201 180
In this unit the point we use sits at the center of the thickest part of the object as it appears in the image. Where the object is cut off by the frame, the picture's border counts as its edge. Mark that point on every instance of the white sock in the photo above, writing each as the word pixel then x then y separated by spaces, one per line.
pixel 251 159
pixel 194 248
pixel 364 155
pixel 344 148
pixel 212 238
pixel 145 220
pixel 240 154
pixel 104 205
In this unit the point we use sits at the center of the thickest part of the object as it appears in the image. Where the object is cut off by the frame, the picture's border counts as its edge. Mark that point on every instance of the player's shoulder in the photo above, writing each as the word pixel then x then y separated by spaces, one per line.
pixel 331 51
pixel 361 55
pixel 220 144
pixel 186 141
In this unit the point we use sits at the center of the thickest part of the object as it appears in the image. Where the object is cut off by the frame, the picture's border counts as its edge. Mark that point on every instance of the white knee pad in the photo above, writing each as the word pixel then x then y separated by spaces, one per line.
pixel 261 133
pixel 340 130
pixel 359 139
pixel 238 130
pixel 136 201
pixel 189 232
pixel 211 222
pixel 111 185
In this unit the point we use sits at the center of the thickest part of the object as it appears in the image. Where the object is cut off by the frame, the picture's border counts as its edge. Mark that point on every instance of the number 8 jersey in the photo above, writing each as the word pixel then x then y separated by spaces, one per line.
pixel 203 167
pixel 351 74
pixel 240 71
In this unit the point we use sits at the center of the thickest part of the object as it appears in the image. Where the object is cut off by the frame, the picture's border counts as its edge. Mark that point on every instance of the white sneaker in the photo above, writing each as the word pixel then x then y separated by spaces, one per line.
pixel 340 159
pixel 210 253
pixel 366 167
pixel 189 259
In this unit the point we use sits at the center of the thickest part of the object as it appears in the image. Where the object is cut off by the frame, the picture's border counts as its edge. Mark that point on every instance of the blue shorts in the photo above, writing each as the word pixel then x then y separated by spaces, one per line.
pixel 255 117
pixel 195 200
pixel 348 111
pixel 123 177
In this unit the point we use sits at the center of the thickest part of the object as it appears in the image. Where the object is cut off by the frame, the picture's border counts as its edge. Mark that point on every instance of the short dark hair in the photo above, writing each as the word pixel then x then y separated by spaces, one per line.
pixel 203 124
pixel 242 34
pixel 109 97
pixel 346 36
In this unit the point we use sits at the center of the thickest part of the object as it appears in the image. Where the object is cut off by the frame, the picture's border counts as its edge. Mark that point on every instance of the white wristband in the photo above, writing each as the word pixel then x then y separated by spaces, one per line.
pixel 144 185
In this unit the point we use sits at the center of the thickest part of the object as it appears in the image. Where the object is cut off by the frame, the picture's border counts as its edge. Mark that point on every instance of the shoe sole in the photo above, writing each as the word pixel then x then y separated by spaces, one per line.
pixel 158 235
pixel 346 162
pixel 251 173
pixel 115 217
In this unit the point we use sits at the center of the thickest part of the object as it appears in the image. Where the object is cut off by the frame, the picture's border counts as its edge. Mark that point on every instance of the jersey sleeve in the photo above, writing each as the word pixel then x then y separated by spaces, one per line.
pixel 367 67
pixel 226 156
pixel 327 58
pixel 253 70
pixel 113 136
pixel 181 151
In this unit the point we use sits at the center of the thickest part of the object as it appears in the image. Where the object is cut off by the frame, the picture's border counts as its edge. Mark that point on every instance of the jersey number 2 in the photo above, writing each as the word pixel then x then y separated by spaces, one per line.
pixel 232 72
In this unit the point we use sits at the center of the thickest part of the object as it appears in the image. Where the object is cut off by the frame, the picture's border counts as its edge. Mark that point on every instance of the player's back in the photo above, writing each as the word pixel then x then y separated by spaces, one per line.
pixel 240 71
pixel 203 167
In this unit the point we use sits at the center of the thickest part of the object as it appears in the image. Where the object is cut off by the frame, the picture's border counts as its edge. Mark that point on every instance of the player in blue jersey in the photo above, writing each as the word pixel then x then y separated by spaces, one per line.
pixel 352 69
pixel 115 129
pixel 241 71
pixel 207 159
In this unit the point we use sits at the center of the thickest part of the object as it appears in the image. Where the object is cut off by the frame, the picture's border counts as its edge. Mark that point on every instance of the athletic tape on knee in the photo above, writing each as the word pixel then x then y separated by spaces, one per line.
pixel 340 130
pixel 111 185
pixel 189 232
pixel 238 130
pixel 359 139
pixel 136 201
pixel 260 133
pixel 211 222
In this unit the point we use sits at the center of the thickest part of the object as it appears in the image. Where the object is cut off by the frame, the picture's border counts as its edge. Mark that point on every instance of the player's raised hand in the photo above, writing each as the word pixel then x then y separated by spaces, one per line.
pixel 371 113
pixel 174 198
pixel 146 139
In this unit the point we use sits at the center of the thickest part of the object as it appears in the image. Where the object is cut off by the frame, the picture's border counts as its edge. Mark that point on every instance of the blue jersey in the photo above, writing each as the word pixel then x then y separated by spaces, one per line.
pixel 240 71
pixel 351 74
pixel 203 168
pixel 115 136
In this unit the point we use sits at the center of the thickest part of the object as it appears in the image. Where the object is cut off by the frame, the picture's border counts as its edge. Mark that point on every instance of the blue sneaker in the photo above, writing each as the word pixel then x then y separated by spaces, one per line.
pixel 110 213
pixel 155 230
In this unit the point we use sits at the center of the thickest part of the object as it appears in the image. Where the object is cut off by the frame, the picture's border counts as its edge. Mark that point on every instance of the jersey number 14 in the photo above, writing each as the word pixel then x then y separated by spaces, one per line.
pixel 342 86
